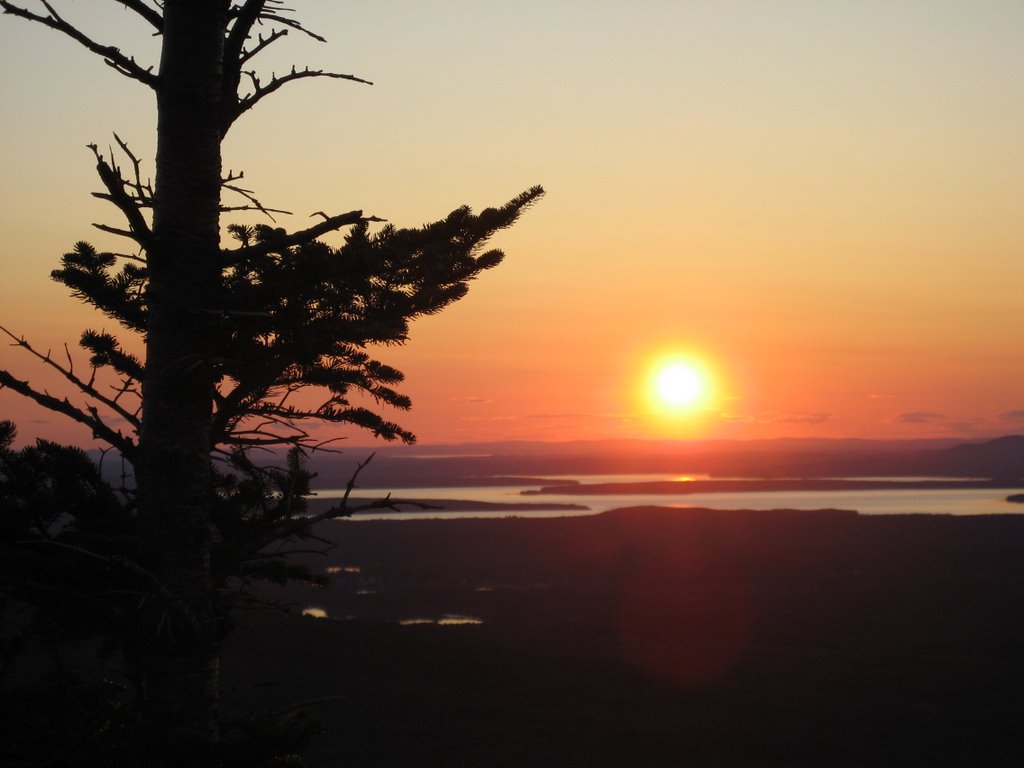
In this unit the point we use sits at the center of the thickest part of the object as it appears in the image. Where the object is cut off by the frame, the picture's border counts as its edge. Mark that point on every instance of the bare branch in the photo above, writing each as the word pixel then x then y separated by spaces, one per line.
pixel 129 386
pixel 261 91
pixel 301 526
pixel 129 205
pixel 91 420
pixel 261 44
pixel 143 192
pixel 293 24
pixel 355 476
pixel 253 11
pixel 256 205
pixel 261 442
pixel 86 387
pixel 245 17
pixel 115 231
pixel 126 65
pixel 151 15
pixel 341 511
pixel 321 445
pixel 262 209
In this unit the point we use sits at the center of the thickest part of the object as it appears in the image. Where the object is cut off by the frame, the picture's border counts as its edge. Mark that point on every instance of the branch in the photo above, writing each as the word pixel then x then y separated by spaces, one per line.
pixel 255 205
pixel 86 387
pixel 248 194
pixel 143 192
pixel 245 17
pixel 115 231
pixel 300 526
pixel 261 44
pixel 260 437
pixel 91 420
pixel 263 442
pixel 151 15
pixel 112 56
pixel 331 224
pixel 257 10
pixel 111 177
pixel 340 511
pixel 261 91
pixel 129 386
pixel 355 476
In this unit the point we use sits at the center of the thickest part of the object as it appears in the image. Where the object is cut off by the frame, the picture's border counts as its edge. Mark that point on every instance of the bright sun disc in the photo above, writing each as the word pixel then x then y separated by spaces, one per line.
pixel 678 385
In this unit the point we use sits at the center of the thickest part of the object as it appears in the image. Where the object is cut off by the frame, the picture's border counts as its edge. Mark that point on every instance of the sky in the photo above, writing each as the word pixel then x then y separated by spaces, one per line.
pixel 819 203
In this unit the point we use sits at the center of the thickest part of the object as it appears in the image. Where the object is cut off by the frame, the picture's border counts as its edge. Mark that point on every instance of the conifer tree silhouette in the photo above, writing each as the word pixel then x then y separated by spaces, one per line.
pixel 233 336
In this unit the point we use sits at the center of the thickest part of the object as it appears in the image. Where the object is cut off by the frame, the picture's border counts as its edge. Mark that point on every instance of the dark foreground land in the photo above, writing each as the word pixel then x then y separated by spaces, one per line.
pixel 651 637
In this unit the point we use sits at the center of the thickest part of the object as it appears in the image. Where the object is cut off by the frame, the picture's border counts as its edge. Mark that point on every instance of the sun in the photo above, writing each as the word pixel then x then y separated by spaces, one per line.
pixel 678 385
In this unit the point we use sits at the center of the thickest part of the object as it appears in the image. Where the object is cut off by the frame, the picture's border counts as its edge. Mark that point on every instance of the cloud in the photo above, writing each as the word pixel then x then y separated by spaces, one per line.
pixel 1014 416
pixel 918 417
pixel 775 417
pixel 737 418
pixel 563 416
pixel 550 417
pixel 472 400
pixel 801 417
pixel 974 426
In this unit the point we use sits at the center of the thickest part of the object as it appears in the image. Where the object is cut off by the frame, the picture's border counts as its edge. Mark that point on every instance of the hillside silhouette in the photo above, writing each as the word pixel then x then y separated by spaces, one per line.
pixel 652 638
pixel 1000 459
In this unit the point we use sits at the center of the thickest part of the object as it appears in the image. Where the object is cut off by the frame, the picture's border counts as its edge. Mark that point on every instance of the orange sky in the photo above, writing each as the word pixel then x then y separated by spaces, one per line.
pixel 820 201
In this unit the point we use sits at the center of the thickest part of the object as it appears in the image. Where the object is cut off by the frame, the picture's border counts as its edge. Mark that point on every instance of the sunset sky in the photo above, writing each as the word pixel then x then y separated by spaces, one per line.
pixel 820 203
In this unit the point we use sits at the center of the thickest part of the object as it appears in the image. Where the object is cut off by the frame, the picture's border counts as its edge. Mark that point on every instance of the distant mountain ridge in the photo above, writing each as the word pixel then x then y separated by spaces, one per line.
pixel 1000 459
pixel 536 463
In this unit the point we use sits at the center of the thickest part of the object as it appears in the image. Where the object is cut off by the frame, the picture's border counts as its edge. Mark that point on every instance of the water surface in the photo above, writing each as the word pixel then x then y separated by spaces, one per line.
pixel 896 501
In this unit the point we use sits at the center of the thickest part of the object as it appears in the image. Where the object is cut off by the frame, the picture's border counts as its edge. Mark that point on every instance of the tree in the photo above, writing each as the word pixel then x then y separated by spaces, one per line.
pixel 235 339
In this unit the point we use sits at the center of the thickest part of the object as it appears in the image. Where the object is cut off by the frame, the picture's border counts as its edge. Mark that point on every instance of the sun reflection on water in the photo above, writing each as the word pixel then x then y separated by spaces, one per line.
pixel 447 620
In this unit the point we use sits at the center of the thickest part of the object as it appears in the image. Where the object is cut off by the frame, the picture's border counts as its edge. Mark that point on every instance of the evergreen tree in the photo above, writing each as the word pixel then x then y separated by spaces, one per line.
pixel 237 342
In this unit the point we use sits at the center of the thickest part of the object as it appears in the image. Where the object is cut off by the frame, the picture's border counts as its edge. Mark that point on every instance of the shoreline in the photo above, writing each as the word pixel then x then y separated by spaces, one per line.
pixel 451 505
pixel 533 499
pixel 682 487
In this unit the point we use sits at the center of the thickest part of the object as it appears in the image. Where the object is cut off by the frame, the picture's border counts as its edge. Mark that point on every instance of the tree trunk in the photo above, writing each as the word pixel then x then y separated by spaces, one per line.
pixel 180 665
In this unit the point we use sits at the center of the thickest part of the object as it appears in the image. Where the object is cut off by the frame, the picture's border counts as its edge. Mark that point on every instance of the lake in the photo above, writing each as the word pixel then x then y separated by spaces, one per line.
pixel 954 501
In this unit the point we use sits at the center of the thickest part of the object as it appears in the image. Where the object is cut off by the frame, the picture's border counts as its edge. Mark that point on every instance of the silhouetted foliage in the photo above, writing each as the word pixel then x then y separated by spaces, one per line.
pixel 117 597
